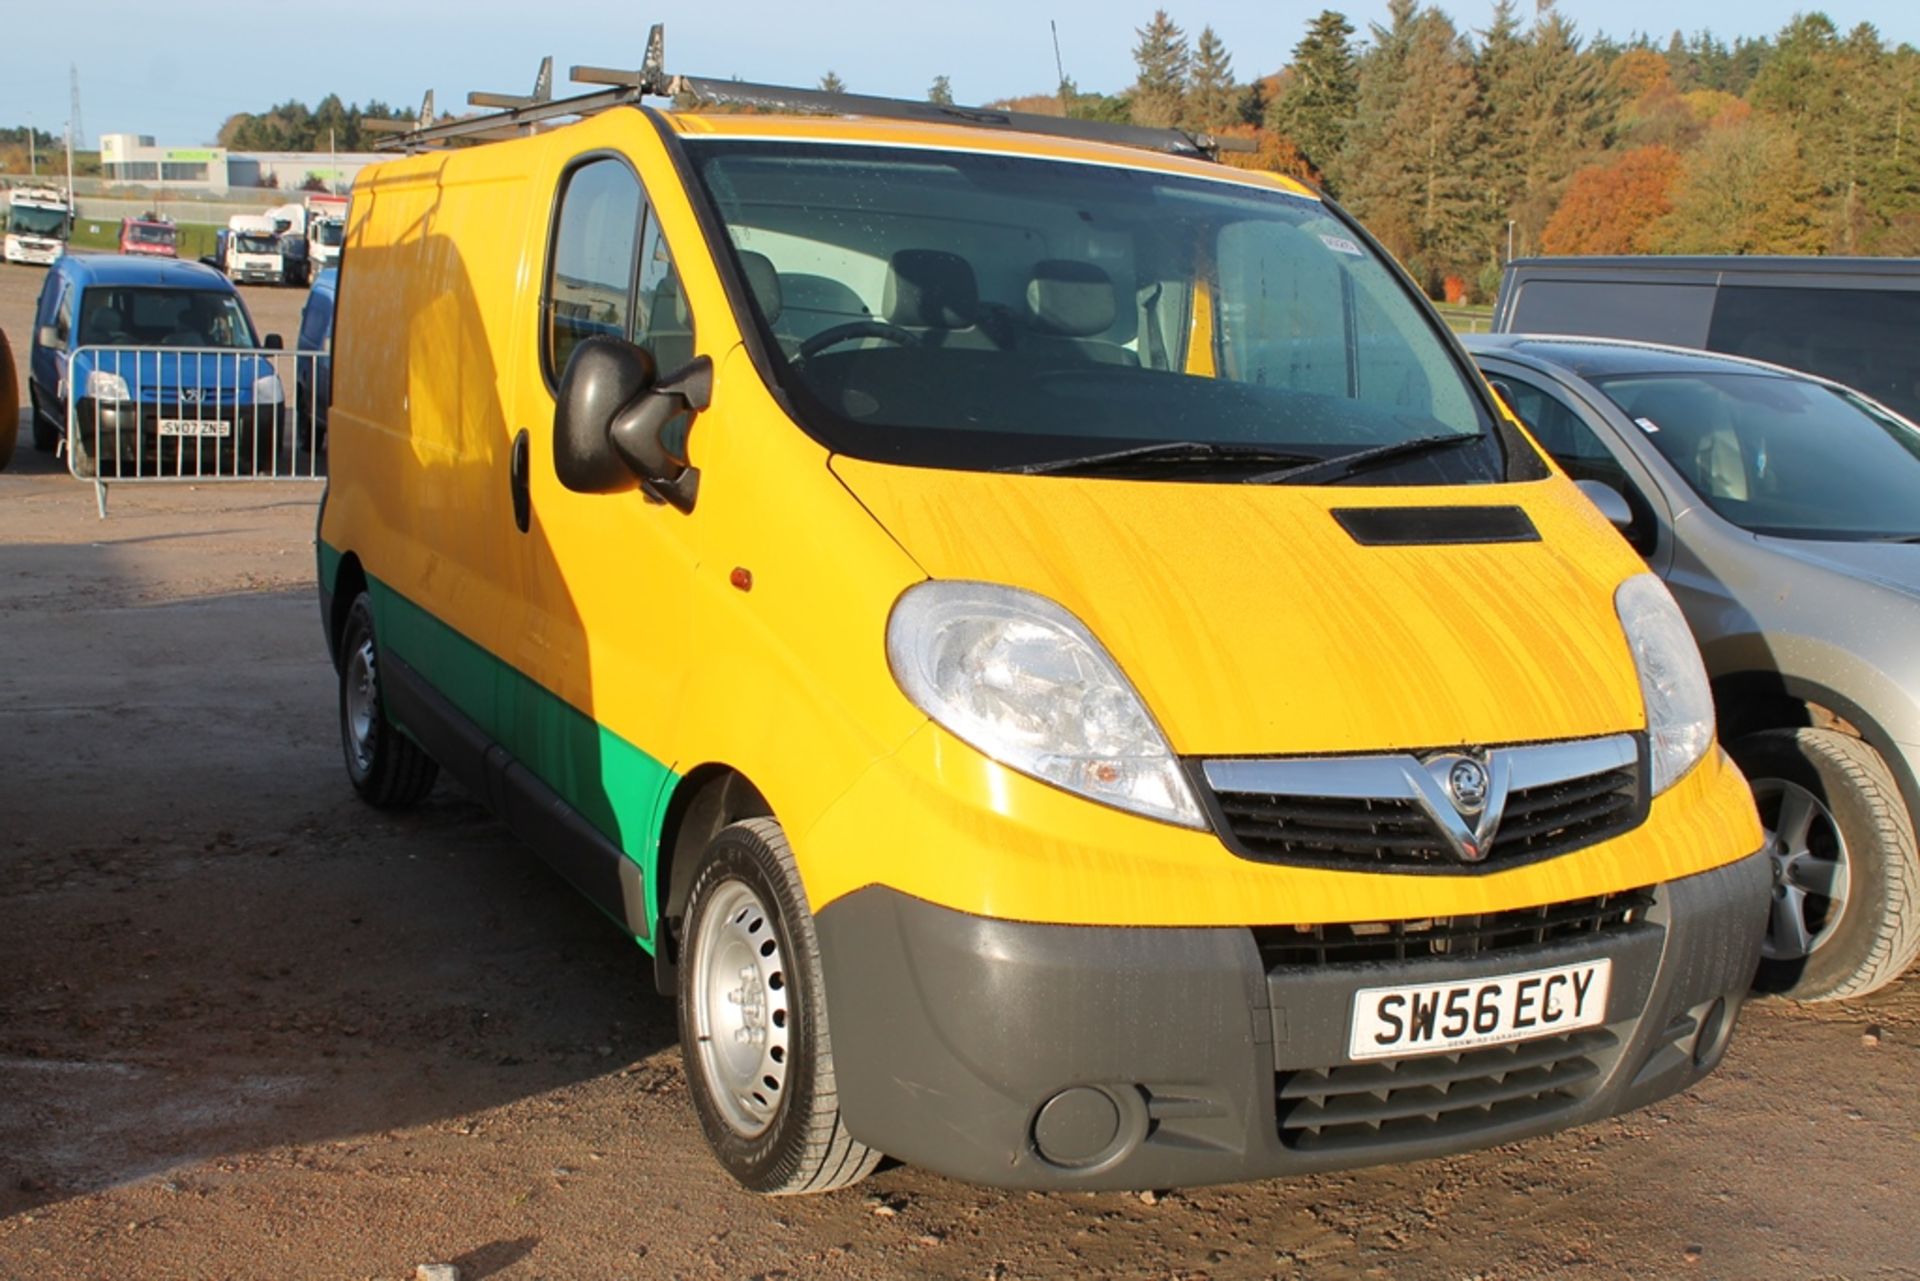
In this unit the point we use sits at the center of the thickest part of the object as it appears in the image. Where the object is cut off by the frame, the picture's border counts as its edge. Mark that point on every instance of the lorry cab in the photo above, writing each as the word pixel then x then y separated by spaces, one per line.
pixel 1049 644
pixel 152 237
pixel 250 252
pixel 38 222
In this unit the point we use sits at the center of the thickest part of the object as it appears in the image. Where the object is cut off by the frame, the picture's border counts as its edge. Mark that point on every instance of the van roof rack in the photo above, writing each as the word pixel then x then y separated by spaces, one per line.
pixel 517 114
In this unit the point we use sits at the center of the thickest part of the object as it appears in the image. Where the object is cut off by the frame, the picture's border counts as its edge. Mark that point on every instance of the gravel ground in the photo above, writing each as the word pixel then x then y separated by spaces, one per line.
pixel 249 1028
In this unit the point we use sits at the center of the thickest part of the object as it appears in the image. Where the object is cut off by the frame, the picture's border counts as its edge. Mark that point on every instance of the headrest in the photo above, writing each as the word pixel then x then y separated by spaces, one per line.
pixel 764 281
pixel 930 289
pixel 1071 298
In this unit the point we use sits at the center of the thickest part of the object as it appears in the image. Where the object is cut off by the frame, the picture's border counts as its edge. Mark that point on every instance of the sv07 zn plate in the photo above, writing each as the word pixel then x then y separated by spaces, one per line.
pixel 1433 1018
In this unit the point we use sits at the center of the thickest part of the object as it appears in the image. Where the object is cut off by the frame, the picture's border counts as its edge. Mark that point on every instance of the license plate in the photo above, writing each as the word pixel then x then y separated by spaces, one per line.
pixel 194 427
pixel 1431 1018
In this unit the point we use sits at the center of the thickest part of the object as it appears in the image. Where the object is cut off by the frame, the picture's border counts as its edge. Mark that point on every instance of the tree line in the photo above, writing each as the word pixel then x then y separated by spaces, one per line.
pixel 332 125
pixel 1453 146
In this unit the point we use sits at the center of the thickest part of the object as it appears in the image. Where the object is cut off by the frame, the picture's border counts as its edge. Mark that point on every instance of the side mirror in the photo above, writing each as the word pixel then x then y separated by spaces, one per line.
pixel 274 342
pixel 1611 502
pixel 614 419
pixel 49 336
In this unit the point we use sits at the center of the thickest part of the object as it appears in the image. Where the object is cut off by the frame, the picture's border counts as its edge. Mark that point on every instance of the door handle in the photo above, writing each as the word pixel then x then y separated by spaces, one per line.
pixel 517 482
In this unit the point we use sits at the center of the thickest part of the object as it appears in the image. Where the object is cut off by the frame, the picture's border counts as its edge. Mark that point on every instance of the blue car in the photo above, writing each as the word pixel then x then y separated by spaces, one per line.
pixel 314 380
pixel 163 365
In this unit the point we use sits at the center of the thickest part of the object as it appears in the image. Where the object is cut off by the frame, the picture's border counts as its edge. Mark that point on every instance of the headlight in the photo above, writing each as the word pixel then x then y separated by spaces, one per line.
pixel 267 390
pixel 1673 680
pixel 103 384
pixel 1024 681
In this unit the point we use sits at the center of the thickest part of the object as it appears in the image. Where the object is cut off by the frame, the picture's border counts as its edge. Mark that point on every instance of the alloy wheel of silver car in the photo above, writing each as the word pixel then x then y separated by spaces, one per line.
pixel 363 704
pixel 1811 875
pixel 740 1015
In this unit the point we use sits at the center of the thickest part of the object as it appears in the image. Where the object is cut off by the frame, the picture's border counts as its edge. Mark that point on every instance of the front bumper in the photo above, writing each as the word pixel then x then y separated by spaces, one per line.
pixel 131 429
pixel 1102 1057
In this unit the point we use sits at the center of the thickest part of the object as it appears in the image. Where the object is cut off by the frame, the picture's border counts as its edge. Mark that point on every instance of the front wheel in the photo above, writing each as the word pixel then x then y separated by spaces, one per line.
pixel 388 769
pixel 753 1021
pixel 1846 879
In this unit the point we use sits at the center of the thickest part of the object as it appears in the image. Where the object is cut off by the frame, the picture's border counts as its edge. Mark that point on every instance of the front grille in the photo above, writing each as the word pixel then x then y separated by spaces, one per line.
pixel 1364 829
pixel 1301 827
pixel 1363 1105
pixel 1449 936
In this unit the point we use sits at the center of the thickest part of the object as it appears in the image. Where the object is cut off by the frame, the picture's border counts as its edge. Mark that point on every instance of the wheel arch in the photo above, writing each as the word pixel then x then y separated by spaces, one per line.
pixel 706 799
pixel 349 580
pixel 1746 702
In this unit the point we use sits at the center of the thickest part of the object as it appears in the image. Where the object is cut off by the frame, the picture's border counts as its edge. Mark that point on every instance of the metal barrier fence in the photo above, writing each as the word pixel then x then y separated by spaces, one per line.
pixel 145 415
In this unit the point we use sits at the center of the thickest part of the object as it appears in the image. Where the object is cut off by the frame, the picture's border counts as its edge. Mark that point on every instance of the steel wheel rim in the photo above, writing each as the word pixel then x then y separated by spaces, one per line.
pixel 1811 870
pixel 363 702
pixel 741 1020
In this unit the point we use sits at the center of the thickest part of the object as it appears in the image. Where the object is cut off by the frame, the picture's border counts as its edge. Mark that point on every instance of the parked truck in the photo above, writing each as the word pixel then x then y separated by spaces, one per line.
pixel 326 230
pixel 249 252
pixel 38 219
pixel 150 235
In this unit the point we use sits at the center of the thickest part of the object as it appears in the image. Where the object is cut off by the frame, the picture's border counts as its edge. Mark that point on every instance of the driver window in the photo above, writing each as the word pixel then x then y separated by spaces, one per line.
pixel 590 274
pixel 63 318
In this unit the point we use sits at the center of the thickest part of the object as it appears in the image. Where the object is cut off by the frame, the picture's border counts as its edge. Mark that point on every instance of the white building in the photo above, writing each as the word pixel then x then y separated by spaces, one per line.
pixel 134 160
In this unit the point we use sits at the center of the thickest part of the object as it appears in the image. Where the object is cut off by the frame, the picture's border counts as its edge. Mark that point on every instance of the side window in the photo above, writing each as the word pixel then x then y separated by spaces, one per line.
pixel 590 274
pixel 665 324
pixel 1578 449
pixel 63 318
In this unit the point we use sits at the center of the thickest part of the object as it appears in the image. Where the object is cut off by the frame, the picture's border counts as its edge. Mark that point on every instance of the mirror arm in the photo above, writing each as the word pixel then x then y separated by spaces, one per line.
pixel 639 434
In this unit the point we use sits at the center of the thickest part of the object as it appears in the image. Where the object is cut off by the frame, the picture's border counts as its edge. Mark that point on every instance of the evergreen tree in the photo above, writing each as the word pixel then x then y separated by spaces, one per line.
pixel 1160 92
pixel 1408 161
pixel 942 92
pixel 1551 110
pixel 1317 103
pixel 1212 100
pixel 832 83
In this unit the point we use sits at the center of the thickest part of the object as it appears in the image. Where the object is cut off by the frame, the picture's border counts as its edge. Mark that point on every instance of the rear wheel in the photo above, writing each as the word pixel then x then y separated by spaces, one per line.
pixel 1846 877
pixel 388 769
pixel 753 1021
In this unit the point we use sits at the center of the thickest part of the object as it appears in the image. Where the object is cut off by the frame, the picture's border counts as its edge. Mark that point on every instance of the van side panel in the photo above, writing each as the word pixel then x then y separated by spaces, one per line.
pixel 436 312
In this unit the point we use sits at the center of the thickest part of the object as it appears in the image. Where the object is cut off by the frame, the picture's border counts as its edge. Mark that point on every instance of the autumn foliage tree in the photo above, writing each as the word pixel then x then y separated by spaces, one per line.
pixel 1610 207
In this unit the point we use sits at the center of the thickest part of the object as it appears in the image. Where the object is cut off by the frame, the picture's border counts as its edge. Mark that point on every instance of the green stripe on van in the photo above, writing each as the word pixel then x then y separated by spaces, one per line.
pixel 613 784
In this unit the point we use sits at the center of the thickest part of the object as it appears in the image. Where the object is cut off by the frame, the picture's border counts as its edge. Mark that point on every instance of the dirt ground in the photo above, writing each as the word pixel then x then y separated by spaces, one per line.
pixel 249 1028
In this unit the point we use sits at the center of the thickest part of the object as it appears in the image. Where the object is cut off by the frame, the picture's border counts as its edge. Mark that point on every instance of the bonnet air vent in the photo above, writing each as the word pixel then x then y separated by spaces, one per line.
pixel 1435 526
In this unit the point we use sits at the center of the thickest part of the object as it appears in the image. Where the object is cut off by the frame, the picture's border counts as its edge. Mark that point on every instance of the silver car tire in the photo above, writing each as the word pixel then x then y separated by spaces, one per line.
pixel 1845 915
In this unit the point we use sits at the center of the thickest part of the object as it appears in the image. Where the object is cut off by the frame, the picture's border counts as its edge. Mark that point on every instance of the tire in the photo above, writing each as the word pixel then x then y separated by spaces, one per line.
pixel 388 769
pixel 746 909
pixel 46 436
pixel 1846 909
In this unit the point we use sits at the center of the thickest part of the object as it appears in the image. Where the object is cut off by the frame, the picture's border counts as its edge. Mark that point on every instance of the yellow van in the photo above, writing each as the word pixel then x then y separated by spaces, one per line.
pixel 1049 644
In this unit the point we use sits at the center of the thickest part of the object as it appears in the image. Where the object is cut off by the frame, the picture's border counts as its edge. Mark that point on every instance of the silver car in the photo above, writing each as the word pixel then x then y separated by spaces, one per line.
pixel 1783 511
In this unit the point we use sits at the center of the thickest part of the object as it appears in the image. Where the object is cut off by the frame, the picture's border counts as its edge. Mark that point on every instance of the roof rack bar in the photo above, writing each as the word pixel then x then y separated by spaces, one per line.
pixel 817 101
pixel 623 87
pixel 425 119
pixel 542 91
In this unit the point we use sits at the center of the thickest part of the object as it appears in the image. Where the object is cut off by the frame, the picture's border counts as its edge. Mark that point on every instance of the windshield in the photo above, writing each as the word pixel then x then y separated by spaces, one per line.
pixel 1781 456
pixel 248 243
pixel 985 311
pixel 147 233
pixel 24 221
pixel 328 233
pixel 163 318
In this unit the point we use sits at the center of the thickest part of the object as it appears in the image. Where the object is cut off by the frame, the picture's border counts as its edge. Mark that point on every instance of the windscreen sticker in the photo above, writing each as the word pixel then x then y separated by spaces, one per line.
pixel 1647 425
pixel 1341 245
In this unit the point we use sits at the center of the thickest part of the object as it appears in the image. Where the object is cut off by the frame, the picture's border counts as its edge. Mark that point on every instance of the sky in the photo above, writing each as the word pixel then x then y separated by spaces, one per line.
pixel 175 77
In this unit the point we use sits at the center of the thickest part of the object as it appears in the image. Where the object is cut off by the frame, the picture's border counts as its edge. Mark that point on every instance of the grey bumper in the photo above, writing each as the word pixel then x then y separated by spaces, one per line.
pixel 1045 1056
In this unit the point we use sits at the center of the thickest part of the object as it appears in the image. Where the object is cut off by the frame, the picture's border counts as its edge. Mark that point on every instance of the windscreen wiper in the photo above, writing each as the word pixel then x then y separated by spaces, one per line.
pixel 1328 471
pixel 1170 452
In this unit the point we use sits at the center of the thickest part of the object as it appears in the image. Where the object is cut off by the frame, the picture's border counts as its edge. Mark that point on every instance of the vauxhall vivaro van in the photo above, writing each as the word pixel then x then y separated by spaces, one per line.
pixel 1051 647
